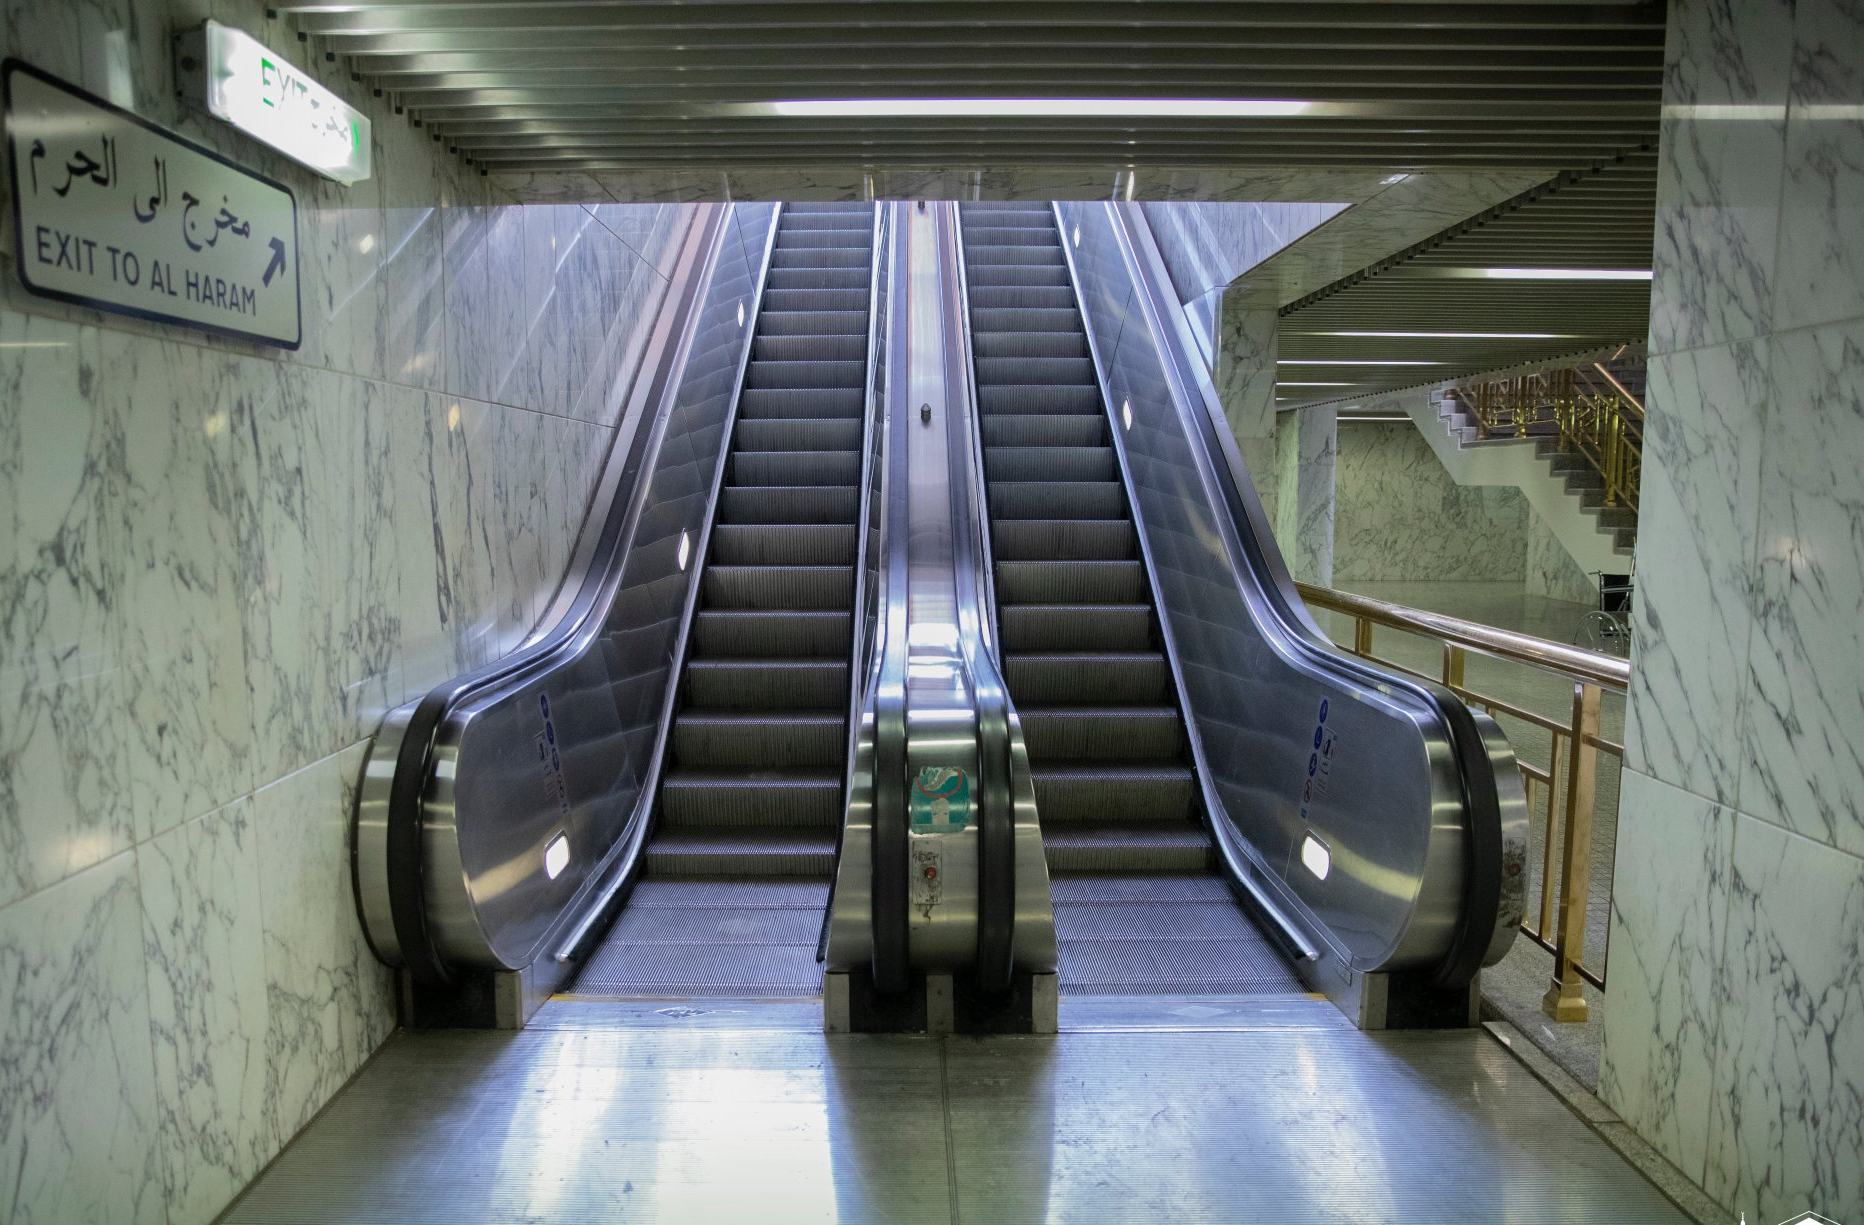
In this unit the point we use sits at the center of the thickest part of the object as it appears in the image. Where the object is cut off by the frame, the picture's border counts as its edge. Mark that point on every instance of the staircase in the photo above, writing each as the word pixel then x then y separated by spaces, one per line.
pixel 1573 470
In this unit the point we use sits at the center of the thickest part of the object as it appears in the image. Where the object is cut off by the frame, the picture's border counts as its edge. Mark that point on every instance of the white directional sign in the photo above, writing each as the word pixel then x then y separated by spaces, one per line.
pixel 116 213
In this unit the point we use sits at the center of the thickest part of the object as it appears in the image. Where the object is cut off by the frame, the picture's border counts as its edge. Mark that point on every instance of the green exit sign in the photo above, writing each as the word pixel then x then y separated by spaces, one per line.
pixel 241 80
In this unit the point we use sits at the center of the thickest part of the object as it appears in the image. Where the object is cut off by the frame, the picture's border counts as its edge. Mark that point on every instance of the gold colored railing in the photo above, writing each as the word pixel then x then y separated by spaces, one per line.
pixel 1588 410
pixel 1569 777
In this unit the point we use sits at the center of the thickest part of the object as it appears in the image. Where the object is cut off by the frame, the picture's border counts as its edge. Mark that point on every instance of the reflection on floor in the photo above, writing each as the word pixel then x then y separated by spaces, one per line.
pixel 1515 987
pixel 1211 1111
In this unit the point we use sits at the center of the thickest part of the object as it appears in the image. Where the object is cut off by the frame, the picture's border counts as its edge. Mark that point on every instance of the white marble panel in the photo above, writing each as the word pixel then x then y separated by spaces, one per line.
pixel 1550 570
pixel 202 923
pixel 501 313
pixel 342 241
pixel 1245 373
pixel 632 295
pixel 1306 455
pixel 63 762
pixel 652 231
pixel 1400 516
pixel 1787 1129
pixel 183 415
pixel 1720 161
pixel 77 1082
pixel 330 1003
pixel 322 626
pixel 412 269
pixel 1669 911
pixel 1821 274
pixel 1804 765
pixel 1694 610
pixel 471 356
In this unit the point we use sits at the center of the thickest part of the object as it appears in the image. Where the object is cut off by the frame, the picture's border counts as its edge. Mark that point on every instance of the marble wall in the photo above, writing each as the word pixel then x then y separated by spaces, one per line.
pixel 1734 1026
pixel 219 564
pixel 1400 516
pixel 1550 570
pixel 1305 460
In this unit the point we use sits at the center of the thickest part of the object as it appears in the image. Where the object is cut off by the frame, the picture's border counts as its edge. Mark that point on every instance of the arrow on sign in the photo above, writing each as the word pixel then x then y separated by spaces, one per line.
pixel 278 260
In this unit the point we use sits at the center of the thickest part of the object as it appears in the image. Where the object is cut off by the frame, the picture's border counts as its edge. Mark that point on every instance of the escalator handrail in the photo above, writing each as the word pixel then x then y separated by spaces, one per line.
pixel 996 848
pixel 1475 770
pixel 577 621
pixel 886 685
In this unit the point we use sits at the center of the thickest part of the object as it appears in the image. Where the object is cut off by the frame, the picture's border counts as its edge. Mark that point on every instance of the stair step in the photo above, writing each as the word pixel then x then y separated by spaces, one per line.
pixel 1046 371
pixel 805 374
pixel 1030 342
pixel 1022 398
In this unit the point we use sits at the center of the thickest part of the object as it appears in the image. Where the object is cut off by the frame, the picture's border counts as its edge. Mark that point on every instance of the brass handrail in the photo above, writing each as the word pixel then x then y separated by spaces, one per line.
pixel 1571 785
pixel 1602 424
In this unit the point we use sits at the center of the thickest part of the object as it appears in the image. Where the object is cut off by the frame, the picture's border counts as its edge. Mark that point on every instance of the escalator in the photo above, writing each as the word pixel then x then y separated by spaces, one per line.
pixel 1140 908
pixel 735 877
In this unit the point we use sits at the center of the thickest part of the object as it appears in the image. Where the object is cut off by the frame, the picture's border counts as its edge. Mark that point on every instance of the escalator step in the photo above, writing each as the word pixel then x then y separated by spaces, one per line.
pixel 829 587
pixel 999 275
pixel 1077 627
pixel 795 467
pixel 1051 464
pixel 800 799
pixel 789 504
pixel 1044 429
pixel 857 280
pixel 789 403
pixel 1098 846
pixel 1029 343
pixel 1068 678
pixel 1070 582
pixel 1063 539
pixel 783 544
pixel 813 347
pixel 1057 500
pixel 745 633
pixel 772 740
pixel 799 434
pixel 851 254
pixel 1022 397
pixel 1047 371
pixel 1033 319
pixel 814 323
pixel 815 298
pixel 805 374
pixel 741 852
pixel 767 684
pixel 1102 733
pixel 1021 297
pixel 1086 791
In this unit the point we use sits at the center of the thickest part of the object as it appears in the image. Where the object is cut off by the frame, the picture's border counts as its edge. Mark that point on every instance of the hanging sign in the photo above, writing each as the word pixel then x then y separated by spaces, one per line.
pixel 241 80
pixel 113 212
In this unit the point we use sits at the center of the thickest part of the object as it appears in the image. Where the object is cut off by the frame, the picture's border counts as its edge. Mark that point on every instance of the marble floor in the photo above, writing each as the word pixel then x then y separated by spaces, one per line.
pixel 1514 988
pixel 1269 1111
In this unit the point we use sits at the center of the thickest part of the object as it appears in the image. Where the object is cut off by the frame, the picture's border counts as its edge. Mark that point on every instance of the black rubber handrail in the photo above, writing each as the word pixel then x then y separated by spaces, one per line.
pixel 415 758
pixel 1483 867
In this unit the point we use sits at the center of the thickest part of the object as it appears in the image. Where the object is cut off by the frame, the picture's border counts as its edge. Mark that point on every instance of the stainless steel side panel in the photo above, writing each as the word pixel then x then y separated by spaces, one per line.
pixel 1292 740
pixel 570 746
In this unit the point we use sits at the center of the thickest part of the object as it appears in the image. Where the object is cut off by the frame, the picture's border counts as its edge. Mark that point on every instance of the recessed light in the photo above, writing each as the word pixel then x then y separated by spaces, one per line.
pixel 1450 335
pixel 1315 857
pixel 1286 383
pixel 1566 274
pixel 556 856
pixel 1037 108
pixel 1351 361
